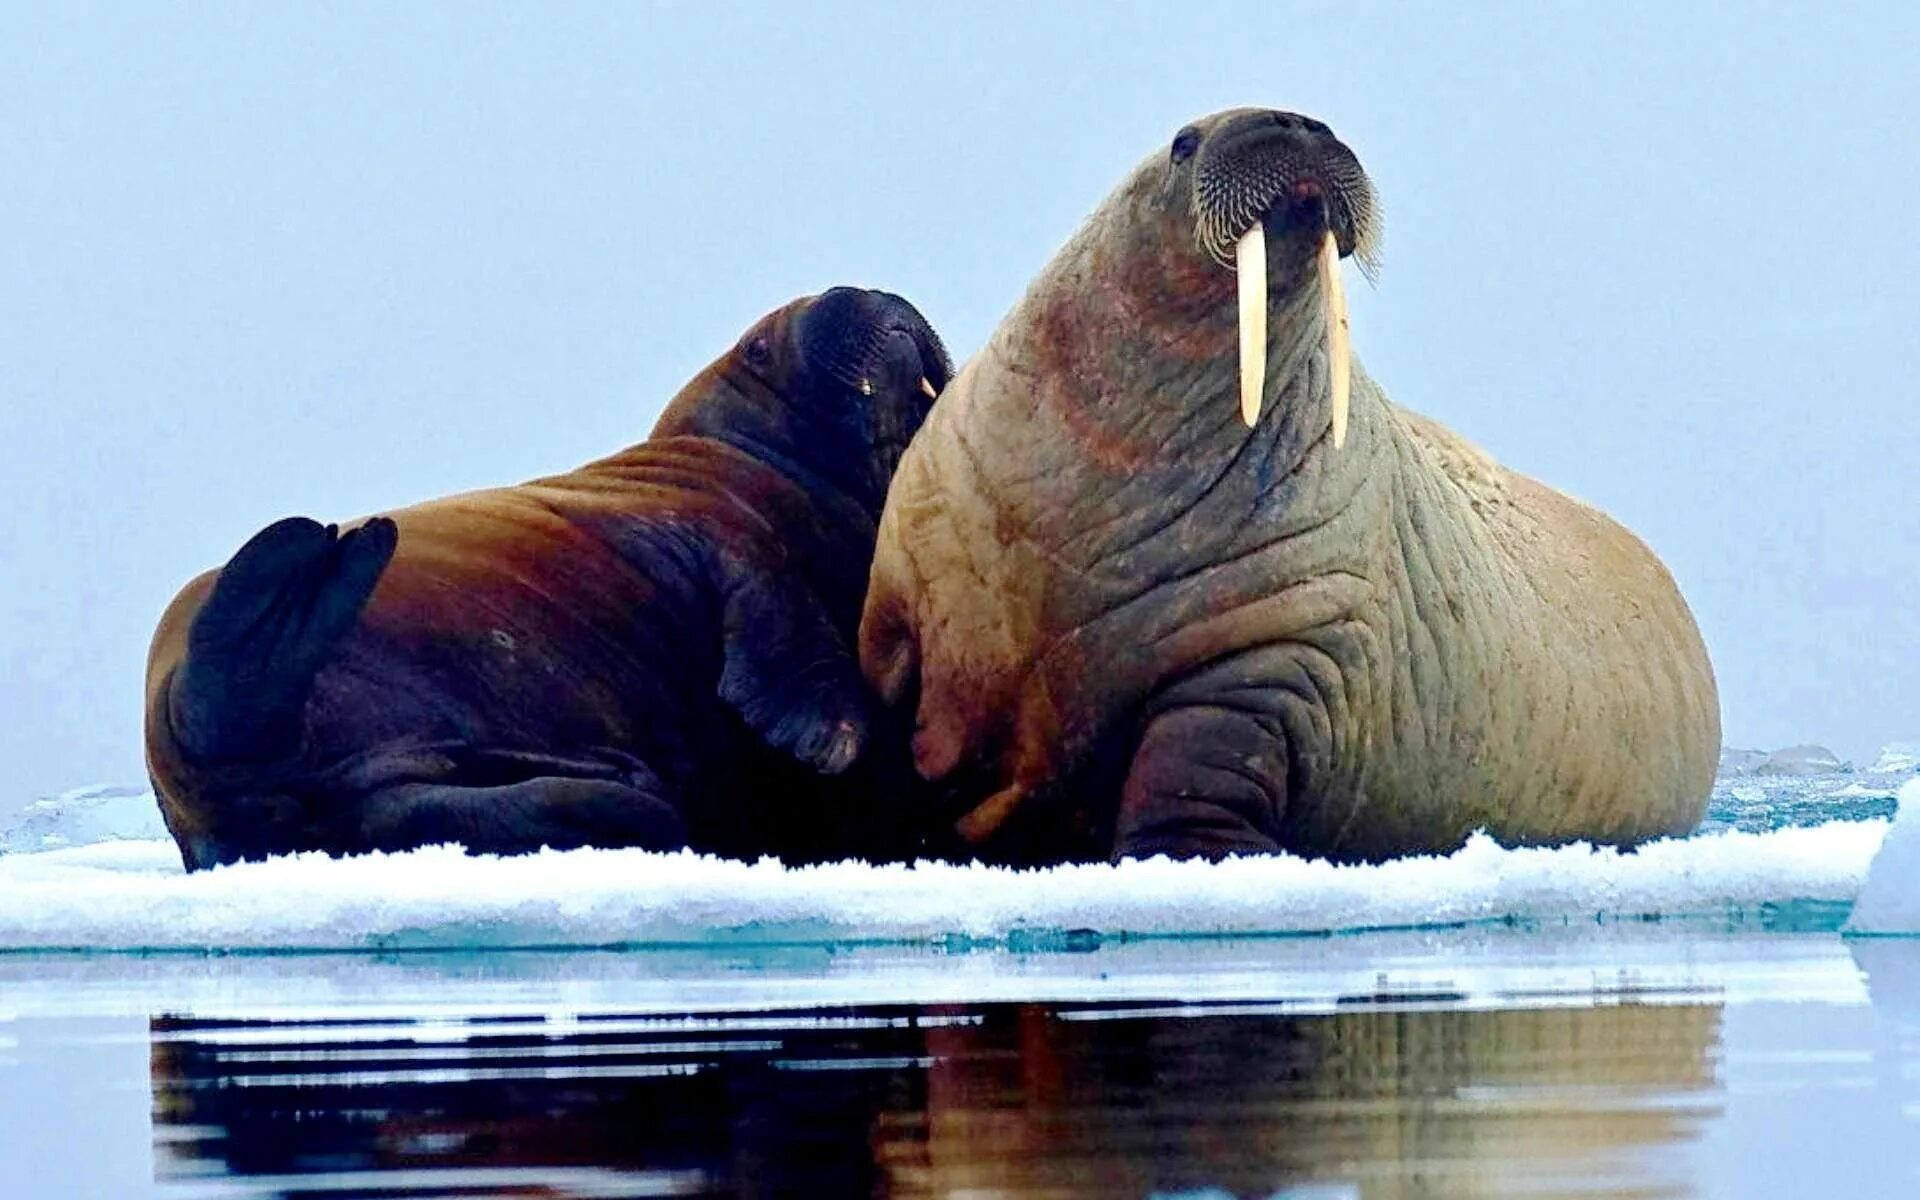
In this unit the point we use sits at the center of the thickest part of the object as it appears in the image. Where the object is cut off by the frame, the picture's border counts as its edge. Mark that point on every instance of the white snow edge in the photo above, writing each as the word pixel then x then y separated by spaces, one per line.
pixel 133 895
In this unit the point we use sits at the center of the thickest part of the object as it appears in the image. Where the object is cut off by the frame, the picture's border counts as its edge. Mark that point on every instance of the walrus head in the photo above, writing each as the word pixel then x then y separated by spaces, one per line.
pixel 831 386
pixel 1268 200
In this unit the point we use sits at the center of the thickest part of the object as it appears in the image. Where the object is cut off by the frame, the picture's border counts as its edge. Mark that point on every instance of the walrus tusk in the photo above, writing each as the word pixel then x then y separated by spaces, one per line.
pixel 927 387
pixel 1250 261
pixel 1339 344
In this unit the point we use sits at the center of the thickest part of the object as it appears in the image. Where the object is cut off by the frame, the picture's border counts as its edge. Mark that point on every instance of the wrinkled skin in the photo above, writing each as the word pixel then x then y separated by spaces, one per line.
pixel 1130 625
pixel 653 650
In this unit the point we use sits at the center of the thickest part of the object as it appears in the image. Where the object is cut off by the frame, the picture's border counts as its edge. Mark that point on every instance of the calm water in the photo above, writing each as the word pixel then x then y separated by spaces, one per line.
pixel 1627 1063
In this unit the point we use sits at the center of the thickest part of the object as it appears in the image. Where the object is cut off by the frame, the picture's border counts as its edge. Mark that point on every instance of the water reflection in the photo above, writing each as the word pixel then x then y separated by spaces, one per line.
pixel 1375 1098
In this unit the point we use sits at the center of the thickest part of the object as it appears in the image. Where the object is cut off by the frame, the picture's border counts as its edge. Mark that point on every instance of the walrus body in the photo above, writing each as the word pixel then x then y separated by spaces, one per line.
pixel 653 650
pixel 1133 624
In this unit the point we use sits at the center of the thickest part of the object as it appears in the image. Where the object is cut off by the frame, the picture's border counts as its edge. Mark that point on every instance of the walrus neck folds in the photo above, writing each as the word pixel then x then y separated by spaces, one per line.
pixel 737 414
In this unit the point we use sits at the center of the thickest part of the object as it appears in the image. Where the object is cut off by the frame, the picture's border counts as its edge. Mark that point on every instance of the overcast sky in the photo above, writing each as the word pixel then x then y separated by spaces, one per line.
pixel 262 260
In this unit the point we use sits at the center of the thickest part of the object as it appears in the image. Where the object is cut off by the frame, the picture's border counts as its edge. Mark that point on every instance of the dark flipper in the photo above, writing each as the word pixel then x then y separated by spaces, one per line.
pixel 1206 782
pixel 790 675
pixel 517 818
pixel 278 610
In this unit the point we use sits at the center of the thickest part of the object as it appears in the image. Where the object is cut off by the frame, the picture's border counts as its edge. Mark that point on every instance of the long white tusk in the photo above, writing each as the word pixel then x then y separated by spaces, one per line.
pixel 927 387
pixel 1250 262
pixel 1339 344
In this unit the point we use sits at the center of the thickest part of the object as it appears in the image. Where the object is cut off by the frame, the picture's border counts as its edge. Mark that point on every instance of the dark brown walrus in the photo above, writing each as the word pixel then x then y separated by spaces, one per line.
pixel 1136 616
pixel 653 650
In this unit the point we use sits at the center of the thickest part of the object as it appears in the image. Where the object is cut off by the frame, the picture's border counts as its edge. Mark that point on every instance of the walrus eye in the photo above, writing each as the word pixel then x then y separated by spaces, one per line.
pixel 759 353
pixel 1185 143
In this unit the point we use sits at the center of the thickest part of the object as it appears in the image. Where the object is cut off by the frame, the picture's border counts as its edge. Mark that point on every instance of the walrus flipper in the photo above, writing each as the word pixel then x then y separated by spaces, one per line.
pixel 1207 781
pixel 277 612
pixel 554 812
pixel 789 673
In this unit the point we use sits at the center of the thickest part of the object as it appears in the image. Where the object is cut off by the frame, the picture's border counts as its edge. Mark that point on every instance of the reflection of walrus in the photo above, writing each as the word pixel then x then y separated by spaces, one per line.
pixel 574 661
pixel 1308 621
pixel 997 1099
pixel 1251 1105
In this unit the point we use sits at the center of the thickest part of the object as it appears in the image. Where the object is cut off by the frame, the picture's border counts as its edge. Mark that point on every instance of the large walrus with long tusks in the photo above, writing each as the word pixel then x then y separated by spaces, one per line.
pixel 1166 572
pixel 654 650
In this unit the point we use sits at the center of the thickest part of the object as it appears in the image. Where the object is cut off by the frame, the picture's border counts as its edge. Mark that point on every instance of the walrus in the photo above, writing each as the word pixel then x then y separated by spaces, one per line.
pixel 654 650
pixel 1167 573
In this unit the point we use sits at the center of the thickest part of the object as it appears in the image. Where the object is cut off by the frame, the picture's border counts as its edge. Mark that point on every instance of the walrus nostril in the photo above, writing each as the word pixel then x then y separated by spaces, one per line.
pixel 1299 123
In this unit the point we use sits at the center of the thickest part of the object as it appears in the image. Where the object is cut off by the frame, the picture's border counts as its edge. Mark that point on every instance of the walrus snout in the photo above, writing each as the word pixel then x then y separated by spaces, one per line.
pixel 871 339
pixel 1256 170
pixel 1282 170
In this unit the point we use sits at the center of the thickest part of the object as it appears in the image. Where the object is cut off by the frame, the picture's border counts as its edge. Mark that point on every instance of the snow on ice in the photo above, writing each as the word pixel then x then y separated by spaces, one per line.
pixel 87 871
pixel 133 895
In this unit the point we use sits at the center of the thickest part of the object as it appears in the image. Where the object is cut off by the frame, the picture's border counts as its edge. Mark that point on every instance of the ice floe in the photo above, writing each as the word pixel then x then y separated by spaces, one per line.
pixel 89 871
pixel 133 895
pixel 84 817
pixel 1890 902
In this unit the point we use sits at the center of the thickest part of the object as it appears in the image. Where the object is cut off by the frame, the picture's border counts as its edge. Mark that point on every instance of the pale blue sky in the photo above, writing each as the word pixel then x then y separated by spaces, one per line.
pixel 261 260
